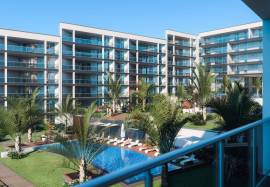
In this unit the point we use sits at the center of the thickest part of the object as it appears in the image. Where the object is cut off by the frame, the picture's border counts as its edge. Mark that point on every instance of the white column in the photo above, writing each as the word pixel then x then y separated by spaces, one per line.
pixel 45 76
pixel 103 69
pixel 137 64
pixel 73 66
pixel 5 71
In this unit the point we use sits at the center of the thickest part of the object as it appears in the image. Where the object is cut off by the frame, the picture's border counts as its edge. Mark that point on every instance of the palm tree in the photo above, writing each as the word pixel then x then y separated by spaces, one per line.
pixel 114 91
pixel 66 110
pixel 14 120
pixel 33 112
pixel 236 108
pixel 161 123
pixel 181 92
pixel 226 83
pixel 144 92
pixel 258 85
pixel 82 151
pixel 202 81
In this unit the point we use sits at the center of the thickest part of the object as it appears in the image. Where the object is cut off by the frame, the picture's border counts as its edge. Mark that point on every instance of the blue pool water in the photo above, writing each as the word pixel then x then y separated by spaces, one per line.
pixel 115 158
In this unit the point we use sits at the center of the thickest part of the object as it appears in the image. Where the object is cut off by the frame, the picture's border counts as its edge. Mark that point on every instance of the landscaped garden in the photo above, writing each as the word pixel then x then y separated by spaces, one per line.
pixel 157 116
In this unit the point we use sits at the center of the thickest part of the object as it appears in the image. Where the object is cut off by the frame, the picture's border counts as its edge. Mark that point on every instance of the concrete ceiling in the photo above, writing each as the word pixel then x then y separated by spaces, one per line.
pixel 260 7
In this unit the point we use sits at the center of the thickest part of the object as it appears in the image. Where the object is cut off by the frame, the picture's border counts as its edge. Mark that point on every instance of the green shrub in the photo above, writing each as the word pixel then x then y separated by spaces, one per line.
pixel 197 119
pixel 16 155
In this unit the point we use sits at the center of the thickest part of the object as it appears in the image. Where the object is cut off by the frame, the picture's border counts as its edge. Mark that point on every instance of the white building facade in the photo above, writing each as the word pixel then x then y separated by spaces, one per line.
pixel 78 61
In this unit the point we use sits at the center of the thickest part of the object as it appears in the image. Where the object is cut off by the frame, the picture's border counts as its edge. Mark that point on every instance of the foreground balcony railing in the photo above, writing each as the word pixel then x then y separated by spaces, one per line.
pixel 217 141
pixel 25 80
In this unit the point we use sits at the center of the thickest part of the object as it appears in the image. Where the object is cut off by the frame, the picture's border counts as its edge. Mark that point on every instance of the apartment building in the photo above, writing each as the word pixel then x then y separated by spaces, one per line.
pixel 78 62
pixel 181 55
pixel 29 61
pixel 234 51
pixel 89 54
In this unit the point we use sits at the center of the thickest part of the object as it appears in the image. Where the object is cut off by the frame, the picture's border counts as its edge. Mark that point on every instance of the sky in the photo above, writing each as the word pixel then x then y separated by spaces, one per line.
pixel 144 17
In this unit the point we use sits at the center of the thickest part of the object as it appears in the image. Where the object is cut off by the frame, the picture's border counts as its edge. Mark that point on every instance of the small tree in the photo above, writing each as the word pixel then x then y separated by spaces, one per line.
pixel 226 83
pixel 33 113
pixel 257 82
pixel 236 108
pixel 202 81
pixel 144 92
pixel 65 111
pixel 162 123
pixel 83 151
pixel 181 92
pixel 14 120
pixel 114 91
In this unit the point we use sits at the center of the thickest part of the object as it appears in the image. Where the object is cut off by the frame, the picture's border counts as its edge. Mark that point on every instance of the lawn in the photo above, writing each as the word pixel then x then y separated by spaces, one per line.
pixel 45 169
pixel 214 123
pixel 41 168
pixel 8 141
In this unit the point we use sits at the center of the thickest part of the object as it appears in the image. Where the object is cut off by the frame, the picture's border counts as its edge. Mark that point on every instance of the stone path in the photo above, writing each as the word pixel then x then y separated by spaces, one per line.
pixel 11 179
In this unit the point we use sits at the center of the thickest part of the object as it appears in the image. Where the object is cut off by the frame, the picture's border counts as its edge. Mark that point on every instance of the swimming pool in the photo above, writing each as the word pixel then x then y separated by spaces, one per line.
pixel 114 158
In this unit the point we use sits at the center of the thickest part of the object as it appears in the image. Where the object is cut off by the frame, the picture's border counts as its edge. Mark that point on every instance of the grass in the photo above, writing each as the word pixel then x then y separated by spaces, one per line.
pixel 8 141
pixel 214 123
pixel 40 168
pixel 45 169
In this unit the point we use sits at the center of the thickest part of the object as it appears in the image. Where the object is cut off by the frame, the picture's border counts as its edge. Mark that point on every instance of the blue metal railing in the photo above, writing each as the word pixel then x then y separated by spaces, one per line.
pixel 145 167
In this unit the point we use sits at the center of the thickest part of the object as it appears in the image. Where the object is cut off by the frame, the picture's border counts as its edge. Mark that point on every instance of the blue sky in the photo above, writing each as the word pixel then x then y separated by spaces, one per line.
pixel 146 17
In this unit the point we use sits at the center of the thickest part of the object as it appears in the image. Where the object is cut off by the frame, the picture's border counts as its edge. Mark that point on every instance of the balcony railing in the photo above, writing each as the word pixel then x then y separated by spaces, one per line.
pixel 67 38
pixel 38 64
pixel 25 49
pixel 86 81
pixel 89 54
pixel 93 41
pixel 78 94
pixel 25 80
pixel 218 141
pixel 148 60
pixel 2 47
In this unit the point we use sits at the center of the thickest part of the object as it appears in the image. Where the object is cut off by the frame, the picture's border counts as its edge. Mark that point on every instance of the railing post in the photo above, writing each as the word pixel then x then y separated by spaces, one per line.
pixel 219 166
pixel 148 181
pixel 252 157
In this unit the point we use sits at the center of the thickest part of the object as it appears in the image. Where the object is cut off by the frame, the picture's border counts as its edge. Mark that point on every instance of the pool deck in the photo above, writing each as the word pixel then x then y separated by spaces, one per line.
pixel 11 179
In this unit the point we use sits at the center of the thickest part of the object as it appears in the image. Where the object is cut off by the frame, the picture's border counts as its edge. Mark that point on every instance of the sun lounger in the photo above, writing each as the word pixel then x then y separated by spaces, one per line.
pixel 151 150
pixel 189 159
pixel 119 141
pixel 112 140
pixel 126 142
pixel 133 144
pixel 157 153
pixel 143 148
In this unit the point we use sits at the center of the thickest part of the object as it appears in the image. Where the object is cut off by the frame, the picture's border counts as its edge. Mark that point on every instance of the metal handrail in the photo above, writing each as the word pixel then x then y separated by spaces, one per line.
pixel 146 166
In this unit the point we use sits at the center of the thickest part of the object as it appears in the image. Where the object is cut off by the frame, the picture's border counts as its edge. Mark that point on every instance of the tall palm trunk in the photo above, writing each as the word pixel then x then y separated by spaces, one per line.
pixel 164 176
pixel 143 103
pixel 113 106
pixel 18 147
pixel 29 134
pixel 83 167
pixel 204 114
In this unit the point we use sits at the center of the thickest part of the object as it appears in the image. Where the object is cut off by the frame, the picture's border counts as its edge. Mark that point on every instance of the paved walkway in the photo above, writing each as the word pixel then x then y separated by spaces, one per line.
pixel 11 179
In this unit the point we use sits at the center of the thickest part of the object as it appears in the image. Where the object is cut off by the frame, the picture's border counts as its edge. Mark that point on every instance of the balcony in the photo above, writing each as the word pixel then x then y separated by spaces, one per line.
pixel 148 60
pixel 88 68
pixel 18 64
pixel 67 39
pixel 89 54
pixel 67 53
pixel 22 80
pixel 149 72
pixel 23 49
pixel 145 168
pixel 2 47
pixel 152 49
pixel 79 94
pixel 92 41
pixel 86 81
pixel 52 51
